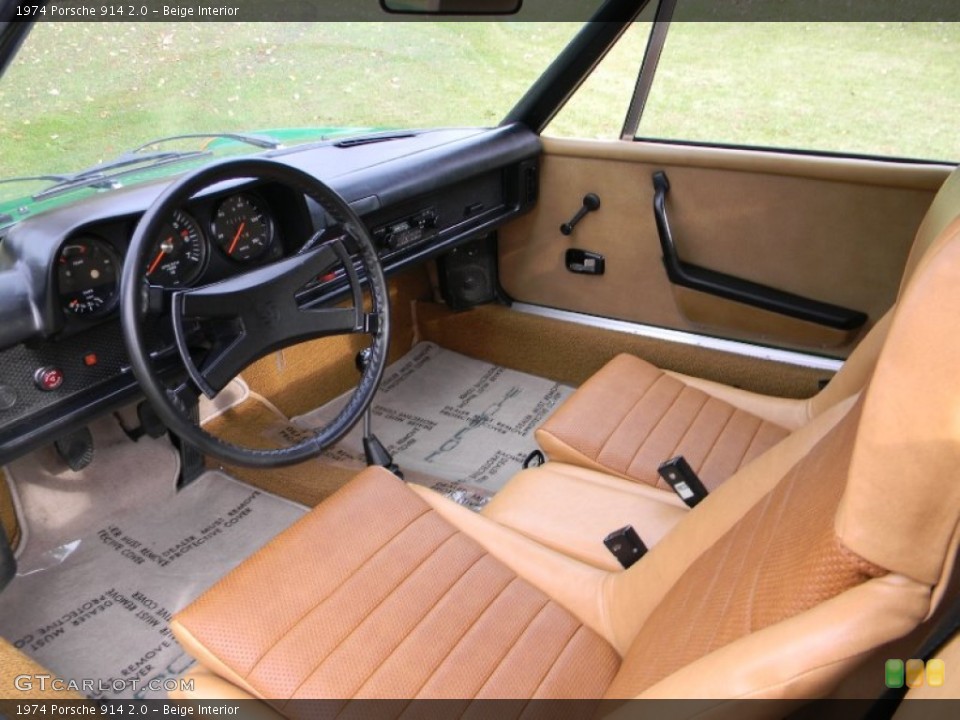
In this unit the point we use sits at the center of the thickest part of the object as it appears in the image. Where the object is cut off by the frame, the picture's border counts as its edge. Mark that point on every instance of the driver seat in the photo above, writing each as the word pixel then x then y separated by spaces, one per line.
pixel 839 540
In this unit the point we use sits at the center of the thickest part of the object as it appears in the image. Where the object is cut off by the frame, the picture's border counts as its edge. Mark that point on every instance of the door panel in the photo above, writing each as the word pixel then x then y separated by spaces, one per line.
pixel 828 229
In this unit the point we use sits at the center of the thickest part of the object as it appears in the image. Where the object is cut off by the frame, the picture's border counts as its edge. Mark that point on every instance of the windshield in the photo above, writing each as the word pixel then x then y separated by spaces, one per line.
pixel 80 94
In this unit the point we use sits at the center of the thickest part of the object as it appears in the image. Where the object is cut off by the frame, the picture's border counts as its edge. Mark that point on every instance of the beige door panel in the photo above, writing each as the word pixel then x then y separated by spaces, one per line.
pixel 833 230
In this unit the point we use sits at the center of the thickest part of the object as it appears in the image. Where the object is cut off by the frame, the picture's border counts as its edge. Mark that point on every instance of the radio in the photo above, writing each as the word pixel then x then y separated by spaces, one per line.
pixel 407 231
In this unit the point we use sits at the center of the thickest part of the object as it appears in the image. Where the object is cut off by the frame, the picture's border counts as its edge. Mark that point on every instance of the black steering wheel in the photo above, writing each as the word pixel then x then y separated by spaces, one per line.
pixel 261 309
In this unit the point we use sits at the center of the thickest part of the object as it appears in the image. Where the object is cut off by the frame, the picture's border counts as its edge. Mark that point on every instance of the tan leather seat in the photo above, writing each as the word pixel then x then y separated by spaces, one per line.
pixel 838 541
pixel 572 509
pixel 631 416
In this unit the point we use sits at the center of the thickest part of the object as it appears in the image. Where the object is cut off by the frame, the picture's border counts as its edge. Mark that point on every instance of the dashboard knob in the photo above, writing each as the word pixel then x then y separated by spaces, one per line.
pixel 48 378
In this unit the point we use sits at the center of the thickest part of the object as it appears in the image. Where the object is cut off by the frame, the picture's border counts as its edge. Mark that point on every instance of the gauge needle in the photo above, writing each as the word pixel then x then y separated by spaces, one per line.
pixel 236 238
pixel 156 261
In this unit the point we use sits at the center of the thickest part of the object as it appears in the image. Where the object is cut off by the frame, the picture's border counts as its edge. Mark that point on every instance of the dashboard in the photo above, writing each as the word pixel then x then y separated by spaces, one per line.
pixel 205 241
pixel 62 359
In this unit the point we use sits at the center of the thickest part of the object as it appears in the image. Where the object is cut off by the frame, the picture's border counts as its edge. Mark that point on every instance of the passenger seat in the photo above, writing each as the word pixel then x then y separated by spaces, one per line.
pixel 632 416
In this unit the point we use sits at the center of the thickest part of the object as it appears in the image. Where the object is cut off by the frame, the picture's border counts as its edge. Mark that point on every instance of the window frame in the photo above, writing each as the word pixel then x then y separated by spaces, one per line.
pixel 644 85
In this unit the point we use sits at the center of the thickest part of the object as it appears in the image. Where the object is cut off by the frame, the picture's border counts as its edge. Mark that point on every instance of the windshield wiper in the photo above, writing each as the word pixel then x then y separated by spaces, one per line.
pixel 347 142
pixel 261 141
pixel 374 138
pixel 102 175
pixel 38 178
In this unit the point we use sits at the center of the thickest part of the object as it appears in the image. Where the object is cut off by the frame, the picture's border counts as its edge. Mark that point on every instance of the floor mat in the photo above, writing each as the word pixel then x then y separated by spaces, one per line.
pixel 55 504
pixel 102 613
pixel 458 425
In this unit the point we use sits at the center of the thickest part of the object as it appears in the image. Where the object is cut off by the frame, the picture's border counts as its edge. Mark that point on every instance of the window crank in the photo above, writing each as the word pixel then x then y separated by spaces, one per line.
pixel 591 202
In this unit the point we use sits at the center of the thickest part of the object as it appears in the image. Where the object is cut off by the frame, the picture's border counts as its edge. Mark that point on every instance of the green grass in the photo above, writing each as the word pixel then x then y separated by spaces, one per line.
pixel 873 88
pixel 80 93
pixel 84 92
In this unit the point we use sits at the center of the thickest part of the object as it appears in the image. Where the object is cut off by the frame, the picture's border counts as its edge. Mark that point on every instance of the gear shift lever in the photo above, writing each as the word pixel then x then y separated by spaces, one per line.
pixel 374 450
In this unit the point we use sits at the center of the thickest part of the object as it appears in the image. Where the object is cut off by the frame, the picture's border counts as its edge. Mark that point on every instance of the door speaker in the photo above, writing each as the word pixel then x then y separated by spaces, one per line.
pixel 468 274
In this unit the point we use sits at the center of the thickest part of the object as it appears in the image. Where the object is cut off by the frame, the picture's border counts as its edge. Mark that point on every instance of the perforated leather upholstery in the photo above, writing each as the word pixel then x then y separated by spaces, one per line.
pixel 630 417
pixel 374 595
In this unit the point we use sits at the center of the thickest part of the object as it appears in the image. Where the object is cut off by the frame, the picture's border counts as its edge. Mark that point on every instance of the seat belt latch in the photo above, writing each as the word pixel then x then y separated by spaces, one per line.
pixel 626 545
pixel 678 474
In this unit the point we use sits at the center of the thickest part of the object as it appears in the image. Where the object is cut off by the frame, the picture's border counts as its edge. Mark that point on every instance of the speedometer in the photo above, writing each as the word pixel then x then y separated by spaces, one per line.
pixel 87 276
pixel 242 227
pixel 178 253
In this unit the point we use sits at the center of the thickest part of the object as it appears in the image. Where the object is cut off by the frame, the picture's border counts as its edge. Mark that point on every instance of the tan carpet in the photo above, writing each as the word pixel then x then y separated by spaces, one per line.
pixel 308 375
pixel 254 423
pixel 571 353
pixel 8 513
pixel 13 662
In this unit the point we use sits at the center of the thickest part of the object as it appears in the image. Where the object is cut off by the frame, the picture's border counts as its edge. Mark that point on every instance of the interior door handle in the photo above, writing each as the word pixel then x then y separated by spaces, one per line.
pixel 737 289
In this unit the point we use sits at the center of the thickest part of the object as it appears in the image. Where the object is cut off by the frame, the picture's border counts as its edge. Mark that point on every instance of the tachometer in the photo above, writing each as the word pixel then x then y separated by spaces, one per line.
pixel 243 228
pixel 178 254
pixel 87 276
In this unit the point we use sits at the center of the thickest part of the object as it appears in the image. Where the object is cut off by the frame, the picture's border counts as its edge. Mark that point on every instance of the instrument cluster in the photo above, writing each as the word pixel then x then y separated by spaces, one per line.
pixel 233 232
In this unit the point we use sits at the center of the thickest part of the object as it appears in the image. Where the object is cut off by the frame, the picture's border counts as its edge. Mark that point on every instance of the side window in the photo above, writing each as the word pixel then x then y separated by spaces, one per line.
pixel 597 109
pixel 885 89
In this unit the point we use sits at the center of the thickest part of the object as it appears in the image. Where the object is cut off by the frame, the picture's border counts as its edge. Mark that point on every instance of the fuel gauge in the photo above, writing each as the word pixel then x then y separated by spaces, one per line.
pixel 87 276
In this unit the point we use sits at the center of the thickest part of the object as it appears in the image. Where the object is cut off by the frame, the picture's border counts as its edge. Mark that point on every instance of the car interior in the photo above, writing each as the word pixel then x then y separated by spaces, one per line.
pixel 482 413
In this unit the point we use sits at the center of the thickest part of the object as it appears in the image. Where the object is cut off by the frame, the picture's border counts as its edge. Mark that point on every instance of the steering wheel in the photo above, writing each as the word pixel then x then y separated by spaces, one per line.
pixel 261 309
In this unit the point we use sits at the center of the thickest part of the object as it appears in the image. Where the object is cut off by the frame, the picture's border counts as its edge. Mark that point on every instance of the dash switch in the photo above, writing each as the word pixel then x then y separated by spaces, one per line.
pixel 48 378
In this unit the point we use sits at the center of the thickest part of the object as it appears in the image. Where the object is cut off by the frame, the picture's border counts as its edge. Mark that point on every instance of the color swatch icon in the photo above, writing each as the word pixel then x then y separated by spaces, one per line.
pixel 894 673
pixel 936 670
pixel 914 673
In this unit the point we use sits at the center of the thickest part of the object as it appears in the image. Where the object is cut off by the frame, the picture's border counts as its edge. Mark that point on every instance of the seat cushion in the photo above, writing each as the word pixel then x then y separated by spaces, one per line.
pixel 374 595
pixel 631 416
pixel 571 510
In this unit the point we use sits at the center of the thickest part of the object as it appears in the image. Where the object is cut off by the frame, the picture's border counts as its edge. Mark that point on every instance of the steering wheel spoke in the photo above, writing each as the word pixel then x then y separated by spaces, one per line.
pixel 262 293
pixel 157 299
pixel 224 362
pixel 335 321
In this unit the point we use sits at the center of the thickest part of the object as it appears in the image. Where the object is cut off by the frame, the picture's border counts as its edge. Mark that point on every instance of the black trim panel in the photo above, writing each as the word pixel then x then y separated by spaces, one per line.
pixel 737 289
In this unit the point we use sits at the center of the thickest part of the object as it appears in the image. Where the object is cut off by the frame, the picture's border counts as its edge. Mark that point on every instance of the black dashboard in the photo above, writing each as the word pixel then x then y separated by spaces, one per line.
pixel 62 359
pixel 208 239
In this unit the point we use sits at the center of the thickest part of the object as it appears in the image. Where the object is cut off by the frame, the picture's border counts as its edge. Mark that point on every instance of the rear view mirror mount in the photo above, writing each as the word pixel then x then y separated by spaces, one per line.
pixel 452 7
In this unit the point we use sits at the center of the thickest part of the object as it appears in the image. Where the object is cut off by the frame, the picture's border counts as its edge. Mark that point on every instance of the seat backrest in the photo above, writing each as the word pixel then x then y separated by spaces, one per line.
pixel 856 371
pixel 944 209
pixel 842 554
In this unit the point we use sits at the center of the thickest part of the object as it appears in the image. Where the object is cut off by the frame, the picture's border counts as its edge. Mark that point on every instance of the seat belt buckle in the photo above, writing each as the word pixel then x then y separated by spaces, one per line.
pixel 678 474
pixel 626 545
